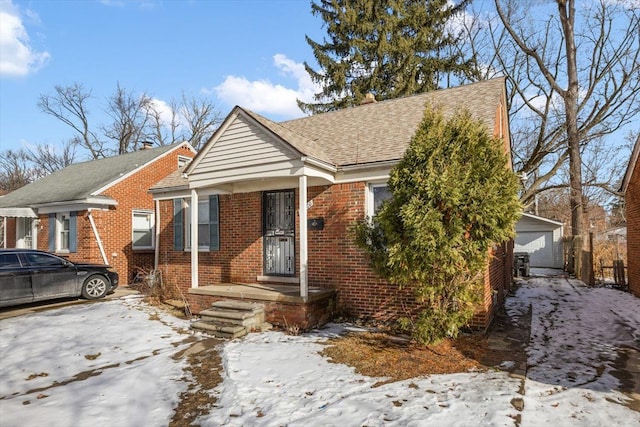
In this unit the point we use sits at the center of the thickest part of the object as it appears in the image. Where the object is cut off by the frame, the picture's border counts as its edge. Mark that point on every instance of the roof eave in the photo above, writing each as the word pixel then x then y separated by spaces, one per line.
pixel 631 166
pixel 87 201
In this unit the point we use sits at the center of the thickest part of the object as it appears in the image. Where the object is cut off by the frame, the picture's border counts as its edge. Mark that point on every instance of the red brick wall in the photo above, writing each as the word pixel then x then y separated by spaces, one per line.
pixel 115 225
pixel 632 200
pixel 334 260
pixel 240 256
pixel 11 232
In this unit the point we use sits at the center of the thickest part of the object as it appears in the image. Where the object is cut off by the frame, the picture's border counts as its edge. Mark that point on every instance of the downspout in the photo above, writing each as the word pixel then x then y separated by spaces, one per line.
pixel 4 232
pixel 156 259
pixel 95 233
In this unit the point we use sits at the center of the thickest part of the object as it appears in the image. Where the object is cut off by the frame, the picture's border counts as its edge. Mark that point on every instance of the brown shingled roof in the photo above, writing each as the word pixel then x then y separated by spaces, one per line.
pixel 174 181
pixel 382 131
pixel 373 132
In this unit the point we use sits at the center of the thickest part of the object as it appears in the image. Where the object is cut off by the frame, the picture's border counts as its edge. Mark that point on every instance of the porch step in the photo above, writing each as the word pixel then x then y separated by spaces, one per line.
pixel 232 319
pixel 220 331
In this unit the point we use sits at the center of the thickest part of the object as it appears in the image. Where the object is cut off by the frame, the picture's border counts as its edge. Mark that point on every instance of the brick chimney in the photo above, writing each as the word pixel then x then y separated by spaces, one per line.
pixel 146 145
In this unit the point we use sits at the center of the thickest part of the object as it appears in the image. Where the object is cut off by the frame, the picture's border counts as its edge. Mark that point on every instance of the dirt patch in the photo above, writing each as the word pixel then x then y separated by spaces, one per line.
pixel 205 367
pixel 379 354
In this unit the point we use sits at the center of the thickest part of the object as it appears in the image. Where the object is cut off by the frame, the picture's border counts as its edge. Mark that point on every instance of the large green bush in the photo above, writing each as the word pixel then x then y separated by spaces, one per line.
pixel 453 197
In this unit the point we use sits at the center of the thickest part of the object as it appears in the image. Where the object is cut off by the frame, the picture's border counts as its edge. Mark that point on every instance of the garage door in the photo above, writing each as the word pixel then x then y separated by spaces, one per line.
pixel 539 246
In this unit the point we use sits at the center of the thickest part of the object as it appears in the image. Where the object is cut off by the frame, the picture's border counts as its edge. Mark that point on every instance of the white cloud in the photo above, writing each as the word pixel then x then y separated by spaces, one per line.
pixel 18 57
pixel 265 97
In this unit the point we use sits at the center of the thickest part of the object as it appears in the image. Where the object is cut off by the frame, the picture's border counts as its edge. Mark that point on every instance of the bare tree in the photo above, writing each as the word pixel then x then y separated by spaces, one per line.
pixel 130 118
pixel 47 159
pixel 190 119
pixel 69 105
pixel 23 166
pixel 201 119
pixel 574 78
pixel 134 119
pixel 15 171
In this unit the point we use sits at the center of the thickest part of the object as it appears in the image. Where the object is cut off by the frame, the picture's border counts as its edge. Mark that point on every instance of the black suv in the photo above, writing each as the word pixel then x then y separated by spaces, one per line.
pixel 28 275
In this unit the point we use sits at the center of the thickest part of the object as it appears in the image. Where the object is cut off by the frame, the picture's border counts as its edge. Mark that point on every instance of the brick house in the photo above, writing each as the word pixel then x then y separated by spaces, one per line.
pixel 276 203
pixel 97 211
pixel 631 190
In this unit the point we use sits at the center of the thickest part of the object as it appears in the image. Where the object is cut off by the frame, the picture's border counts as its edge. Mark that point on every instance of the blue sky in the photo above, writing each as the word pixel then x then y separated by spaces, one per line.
pixel 247 53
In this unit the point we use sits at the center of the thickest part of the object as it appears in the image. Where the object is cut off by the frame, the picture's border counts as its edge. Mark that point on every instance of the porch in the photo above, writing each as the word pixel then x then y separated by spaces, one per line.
pixel 283 305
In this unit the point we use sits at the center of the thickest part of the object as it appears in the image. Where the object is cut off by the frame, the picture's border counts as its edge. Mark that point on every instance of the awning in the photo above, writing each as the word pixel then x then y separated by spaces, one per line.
pixel 18 213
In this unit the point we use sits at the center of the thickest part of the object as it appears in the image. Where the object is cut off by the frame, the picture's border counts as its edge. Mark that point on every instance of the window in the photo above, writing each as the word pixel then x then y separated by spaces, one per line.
pixel 203 224
pixel 208 224
pixel 378 193
pixel 62 232
pixel 183 161
pixel 9 261
pixel 143 229
pixel 44 260
pixel 64 227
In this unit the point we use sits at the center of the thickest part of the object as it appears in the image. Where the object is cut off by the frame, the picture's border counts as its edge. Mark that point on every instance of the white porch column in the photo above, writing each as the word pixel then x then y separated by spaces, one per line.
pixel 304 282
pixel 156 228
pixel 194 238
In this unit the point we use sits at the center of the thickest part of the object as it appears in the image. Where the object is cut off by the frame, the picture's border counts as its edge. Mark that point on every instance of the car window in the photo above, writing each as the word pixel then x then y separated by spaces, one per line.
pixel 43 260
pixel 9 261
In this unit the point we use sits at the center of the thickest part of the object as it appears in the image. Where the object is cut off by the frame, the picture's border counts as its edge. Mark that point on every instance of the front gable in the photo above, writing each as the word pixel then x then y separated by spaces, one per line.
pixel 243 152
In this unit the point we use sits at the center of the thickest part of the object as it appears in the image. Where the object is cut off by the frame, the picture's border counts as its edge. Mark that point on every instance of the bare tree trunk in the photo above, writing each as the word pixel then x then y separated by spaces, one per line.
pixel 567 19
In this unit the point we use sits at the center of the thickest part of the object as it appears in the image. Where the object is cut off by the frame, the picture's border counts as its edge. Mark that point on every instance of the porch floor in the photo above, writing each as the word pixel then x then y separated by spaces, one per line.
pixel 263 292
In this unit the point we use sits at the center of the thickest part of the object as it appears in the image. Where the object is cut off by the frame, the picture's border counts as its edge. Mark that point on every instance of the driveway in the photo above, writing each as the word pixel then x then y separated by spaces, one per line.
pixel 19 310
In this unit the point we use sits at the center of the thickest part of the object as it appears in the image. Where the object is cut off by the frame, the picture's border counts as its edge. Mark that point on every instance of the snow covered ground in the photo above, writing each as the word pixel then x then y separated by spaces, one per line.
pixel 111 364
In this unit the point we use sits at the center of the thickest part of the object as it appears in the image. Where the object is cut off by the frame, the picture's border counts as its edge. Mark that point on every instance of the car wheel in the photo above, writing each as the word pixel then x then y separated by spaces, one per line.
pixel 95 287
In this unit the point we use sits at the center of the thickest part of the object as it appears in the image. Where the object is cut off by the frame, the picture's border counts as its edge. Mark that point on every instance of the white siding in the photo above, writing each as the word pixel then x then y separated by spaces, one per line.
pixel 244 150
pixel 541 239
pixel 539 246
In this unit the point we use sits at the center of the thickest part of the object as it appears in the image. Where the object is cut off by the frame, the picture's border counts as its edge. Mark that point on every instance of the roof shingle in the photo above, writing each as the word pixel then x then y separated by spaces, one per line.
pixel 80 180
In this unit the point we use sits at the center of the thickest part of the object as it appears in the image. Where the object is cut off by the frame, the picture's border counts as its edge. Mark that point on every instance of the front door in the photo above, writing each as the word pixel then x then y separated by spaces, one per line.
pixel 24 233
pixel 279 233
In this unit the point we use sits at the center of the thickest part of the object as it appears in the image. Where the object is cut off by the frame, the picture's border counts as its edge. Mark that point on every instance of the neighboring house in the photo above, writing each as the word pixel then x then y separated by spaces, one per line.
pixel 631 190
pixel 541 238
pixel 96 211
pixel 275 204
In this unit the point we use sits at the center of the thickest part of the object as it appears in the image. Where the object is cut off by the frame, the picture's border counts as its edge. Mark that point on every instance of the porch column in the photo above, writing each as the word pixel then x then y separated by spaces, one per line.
pixel 194 239
pixel 156 229
pixel 304 286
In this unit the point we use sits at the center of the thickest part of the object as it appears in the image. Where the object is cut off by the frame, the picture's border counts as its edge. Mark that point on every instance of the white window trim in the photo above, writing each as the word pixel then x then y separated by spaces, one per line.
pixel 59 230
pixel 186 206
pixel 152 221
pixel 183 160
pixel 369 197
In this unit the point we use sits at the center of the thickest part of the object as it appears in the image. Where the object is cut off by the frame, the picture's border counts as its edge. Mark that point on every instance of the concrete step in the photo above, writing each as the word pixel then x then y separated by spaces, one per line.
pixel 220 330
pixel 228 314
pixel 232 319
pixel 239 318
pixel 238 305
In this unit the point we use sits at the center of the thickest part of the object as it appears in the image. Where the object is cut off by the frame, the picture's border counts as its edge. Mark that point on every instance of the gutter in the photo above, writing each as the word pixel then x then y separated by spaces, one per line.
pixel 95 233
pixel 370 165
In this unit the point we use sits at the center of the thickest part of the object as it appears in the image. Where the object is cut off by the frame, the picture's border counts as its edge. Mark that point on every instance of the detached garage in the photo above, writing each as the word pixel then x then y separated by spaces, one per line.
pixel 541 238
